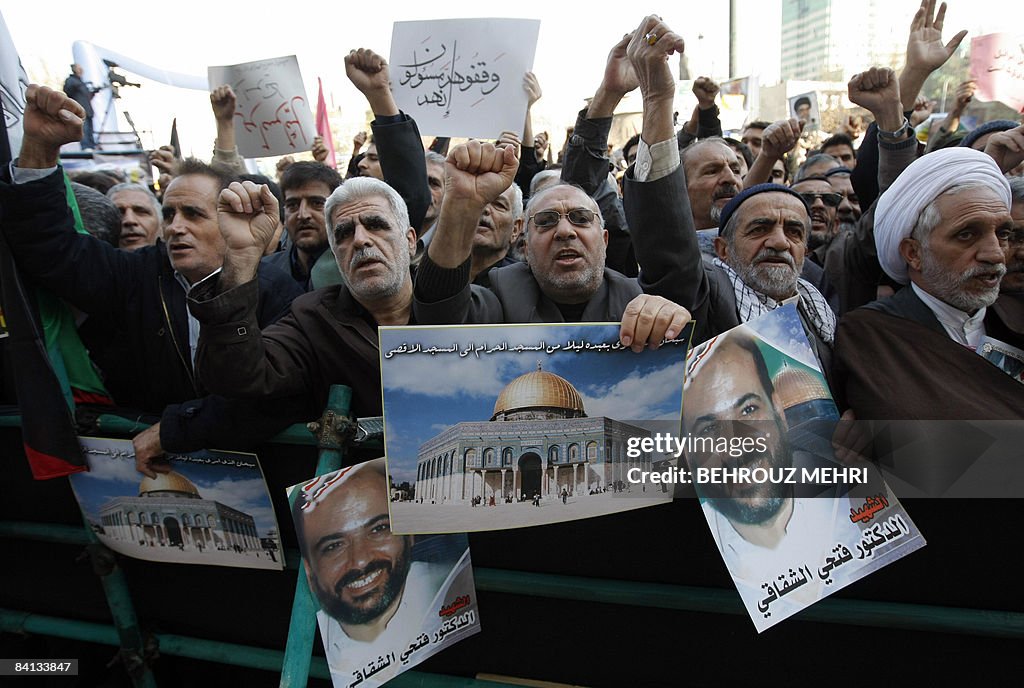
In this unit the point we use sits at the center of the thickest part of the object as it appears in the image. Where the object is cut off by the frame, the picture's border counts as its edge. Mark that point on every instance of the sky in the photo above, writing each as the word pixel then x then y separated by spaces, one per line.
pixel 115 476
pixel 188 36
pixel 421 401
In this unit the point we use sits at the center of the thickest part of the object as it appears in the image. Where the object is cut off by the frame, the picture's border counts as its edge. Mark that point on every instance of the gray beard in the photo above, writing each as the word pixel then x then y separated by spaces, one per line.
pixel 949 287
pixel 772 282
pixel 386 287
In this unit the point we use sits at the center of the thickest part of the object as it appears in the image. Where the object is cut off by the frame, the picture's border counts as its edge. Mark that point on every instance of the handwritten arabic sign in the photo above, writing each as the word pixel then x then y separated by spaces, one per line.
pixel 227 518
pixel 997 66
pixel 787 544
pixel 367 640
pixel 463 77
pixel 272 115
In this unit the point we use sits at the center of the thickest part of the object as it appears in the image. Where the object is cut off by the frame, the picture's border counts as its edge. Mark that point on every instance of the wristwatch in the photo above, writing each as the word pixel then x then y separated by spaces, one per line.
pixel 897 135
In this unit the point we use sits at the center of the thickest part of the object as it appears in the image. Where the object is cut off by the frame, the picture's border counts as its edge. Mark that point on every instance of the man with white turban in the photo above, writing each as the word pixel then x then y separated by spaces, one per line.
pixel 942 229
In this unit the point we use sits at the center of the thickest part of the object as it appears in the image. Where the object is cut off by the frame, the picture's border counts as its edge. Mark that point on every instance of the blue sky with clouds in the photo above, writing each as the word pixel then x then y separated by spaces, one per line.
pixel 426 393
pixel 114 475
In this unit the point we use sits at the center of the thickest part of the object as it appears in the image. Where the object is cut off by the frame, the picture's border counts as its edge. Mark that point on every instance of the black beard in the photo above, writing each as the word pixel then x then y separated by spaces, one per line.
pixel 740 509
pixel 346 613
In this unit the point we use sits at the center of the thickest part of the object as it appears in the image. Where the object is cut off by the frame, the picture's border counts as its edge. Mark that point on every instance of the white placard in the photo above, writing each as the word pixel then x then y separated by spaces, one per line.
pixel 463 77
pixel 272 115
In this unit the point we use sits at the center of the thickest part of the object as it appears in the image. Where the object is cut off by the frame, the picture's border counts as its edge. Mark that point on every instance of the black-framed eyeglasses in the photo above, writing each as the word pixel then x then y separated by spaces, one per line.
pixel 832 200
pixel 546 219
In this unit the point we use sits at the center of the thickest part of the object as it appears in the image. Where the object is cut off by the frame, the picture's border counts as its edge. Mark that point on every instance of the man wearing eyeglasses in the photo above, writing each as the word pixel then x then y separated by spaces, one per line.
pixel 564 279
pixel 823 202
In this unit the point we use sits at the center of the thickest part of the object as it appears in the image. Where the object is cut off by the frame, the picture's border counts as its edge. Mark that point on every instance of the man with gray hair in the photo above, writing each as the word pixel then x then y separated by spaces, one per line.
pixel 140 215
pixel 942 229
pixel 330 335
pixel 435 180
pixel 565 278
pixel 761 239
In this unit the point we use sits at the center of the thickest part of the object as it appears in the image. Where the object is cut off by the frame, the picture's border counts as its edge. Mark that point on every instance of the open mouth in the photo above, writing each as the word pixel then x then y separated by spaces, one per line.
pixel 989 280
pixel 368 264
pixel 568 257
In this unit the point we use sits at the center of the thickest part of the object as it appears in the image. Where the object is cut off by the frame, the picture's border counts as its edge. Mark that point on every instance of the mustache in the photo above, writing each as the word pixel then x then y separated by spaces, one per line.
pixel 983 270
pixel 767 253
pixel 725 191
pixel 364 254
pixel 353 576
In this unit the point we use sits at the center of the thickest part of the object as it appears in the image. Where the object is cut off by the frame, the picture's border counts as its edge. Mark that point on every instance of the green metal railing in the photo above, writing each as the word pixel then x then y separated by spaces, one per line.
pixel 332 435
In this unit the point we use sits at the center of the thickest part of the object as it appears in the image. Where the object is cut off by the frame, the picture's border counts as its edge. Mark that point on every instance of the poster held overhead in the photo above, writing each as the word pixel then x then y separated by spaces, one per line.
pixel 272 115
pixel 463 77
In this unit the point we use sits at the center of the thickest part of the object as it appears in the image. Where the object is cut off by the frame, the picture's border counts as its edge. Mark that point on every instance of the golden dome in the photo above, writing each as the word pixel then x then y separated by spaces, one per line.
pixel 539 389
pixel 168 482
pixel 795 386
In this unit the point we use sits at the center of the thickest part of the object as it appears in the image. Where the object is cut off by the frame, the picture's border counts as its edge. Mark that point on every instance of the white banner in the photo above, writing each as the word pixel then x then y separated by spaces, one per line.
pixel 13 82
pixel 463 77
pixel 272 115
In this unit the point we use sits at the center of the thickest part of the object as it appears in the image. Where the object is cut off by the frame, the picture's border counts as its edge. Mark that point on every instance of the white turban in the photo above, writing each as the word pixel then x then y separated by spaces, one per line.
pixel 921 183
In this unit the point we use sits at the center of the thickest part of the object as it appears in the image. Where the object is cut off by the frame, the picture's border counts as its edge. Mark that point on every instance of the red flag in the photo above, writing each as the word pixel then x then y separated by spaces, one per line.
pixel 323 126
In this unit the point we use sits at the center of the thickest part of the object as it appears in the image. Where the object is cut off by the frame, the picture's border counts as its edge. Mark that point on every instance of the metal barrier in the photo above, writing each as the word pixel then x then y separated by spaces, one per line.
pixel 333 434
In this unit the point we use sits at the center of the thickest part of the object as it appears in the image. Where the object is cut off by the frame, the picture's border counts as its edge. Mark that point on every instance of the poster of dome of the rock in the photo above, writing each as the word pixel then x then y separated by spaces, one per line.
pixel 507 426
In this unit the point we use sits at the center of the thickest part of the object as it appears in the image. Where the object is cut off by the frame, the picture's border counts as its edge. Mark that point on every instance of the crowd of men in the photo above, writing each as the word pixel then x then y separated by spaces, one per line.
pixel 229 305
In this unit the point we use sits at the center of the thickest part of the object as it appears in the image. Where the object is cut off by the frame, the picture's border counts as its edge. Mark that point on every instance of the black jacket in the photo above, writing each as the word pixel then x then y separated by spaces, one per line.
pixel 138 306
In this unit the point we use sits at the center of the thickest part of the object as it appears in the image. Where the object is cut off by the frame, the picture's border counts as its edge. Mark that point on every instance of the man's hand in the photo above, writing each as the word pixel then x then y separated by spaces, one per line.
pixel 283 164
pixel 248 216
pixel 619 76
pixel 923 109
pixel 964 95
pixel 532 88
pixel 223 102
pixel 878 90
pixel 1007 148
pixel 705 89
pixel 358 141
pixel 368 72
pixel 925 50
pixel 540 144
pixel 648 51
pixel 149 454
pixel 648 320
pixel 476 173
pixel 319 150
pixel 163 159
pixel 850 440
pixel 780 138
pixel 509 138
pixel 51 120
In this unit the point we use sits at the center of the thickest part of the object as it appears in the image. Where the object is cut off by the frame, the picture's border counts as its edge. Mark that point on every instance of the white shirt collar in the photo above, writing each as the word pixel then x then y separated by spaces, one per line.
pixel 961 327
